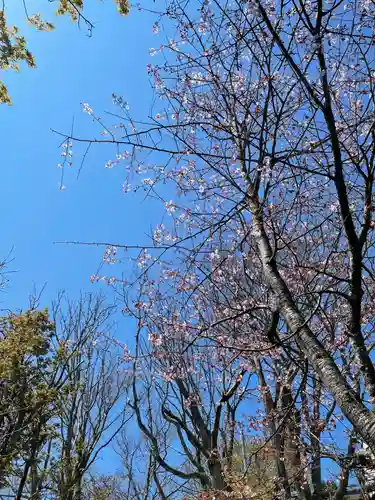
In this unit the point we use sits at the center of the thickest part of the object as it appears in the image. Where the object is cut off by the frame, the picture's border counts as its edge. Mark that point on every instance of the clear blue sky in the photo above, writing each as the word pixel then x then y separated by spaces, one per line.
pixel 71 68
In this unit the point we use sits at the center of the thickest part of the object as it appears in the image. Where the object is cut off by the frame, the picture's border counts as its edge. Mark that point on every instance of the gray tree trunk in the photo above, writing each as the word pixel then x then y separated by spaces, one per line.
pixel 362 419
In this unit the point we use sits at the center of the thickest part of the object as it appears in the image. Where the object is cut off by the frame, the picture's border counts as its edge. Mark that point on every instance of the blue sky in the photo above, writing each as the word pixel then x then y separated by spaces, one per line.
pixel 71 68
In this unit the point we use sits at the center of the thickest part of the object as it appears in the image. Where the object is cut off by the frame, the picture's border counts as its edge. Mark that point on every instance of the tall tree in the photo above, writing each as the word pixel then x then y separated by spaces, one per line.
pixel 92 411
pixel 24 393
pixel 81 407
pixel 266 121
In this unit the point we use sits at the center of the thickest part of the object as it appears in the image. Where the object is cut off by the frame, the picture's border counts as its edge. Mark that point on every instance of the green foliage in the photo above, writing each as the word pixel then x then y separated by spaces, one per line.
pixel 12 51
pixel 74 8
pixel 123 7
pixel 26 399
pixel 253 470
pixel 23 336
pixel 41 25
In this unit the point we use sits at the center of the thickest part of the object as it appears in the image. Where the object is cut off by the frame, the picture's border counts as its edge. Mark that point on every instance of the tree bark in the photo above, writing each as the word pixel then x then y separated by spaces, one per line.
pixel 349 401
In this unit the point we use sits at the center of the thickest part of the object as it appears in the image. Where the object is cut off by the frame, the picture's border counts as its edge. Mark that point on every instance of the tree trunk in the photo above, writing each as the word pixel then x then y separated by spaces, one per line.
pixel 218 482
pixel 350 403
pixel 78 489
pixel 316 470
pixel 35 494
pixel 21 486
